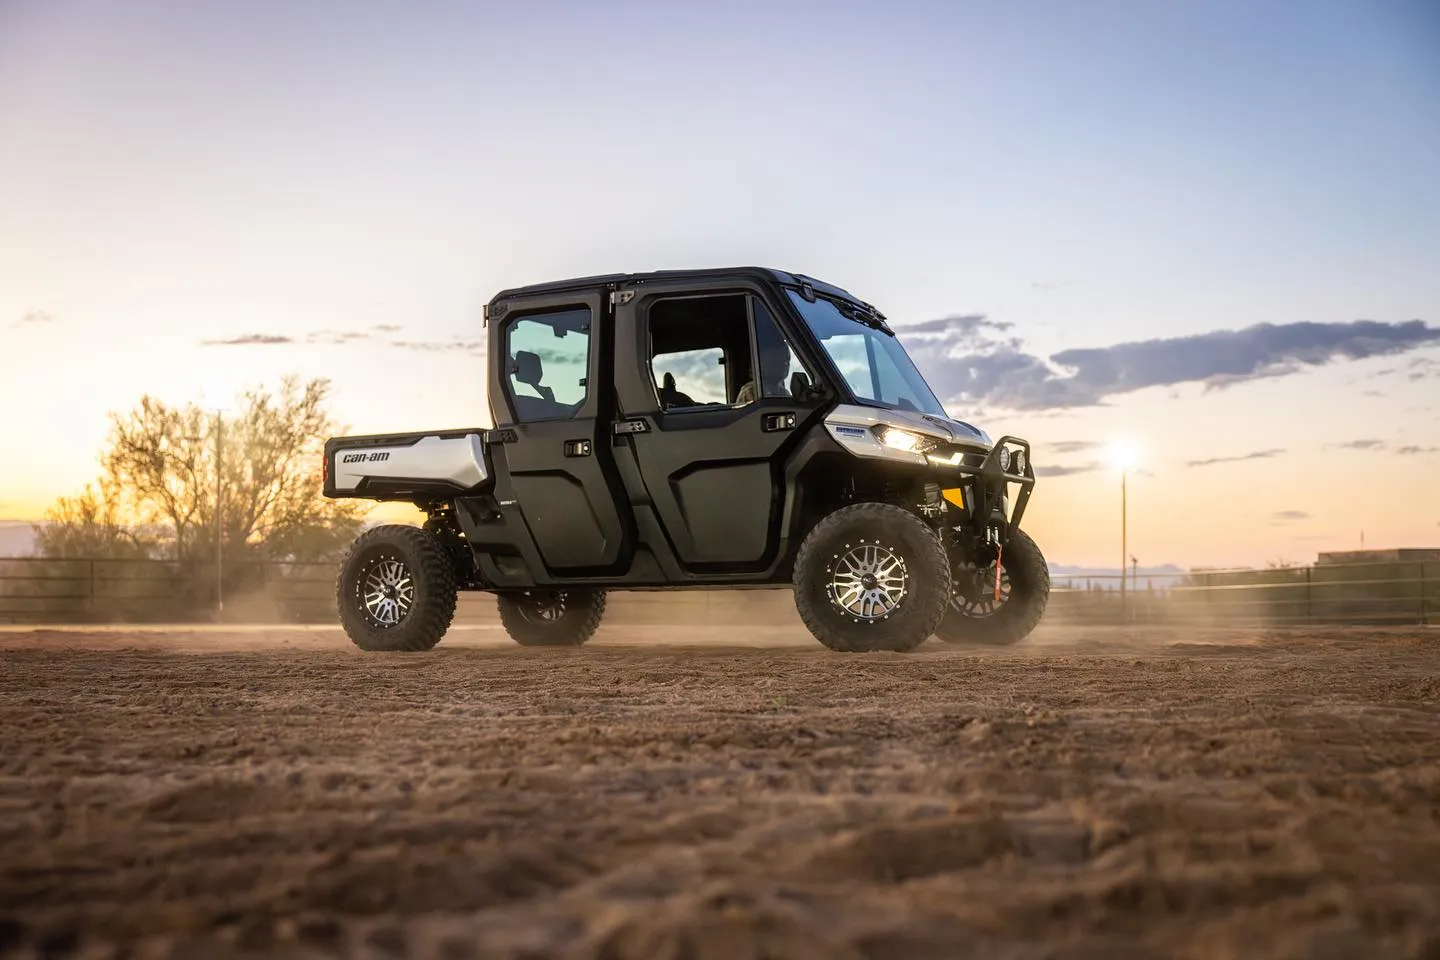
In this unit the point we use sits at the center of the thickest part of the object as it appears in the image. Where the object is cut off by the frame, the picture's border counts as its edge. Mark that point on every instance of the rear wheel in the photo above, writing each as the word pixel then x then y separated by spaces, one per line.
pixel 551 618
pixel 396 589
pixel 871 576
pixel 975 616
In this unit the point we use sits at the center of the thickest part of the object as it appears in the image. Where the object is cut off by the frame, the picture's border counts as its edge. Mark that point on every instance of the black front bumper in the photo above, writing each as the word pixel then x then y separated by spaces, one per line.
pixel 987 485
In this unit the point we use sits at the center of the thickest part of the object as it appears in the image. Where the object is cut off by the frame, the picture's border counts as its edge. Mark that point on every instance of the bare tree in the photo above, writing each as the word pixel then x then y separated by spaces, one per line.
pixel 159 486
pixel 92 524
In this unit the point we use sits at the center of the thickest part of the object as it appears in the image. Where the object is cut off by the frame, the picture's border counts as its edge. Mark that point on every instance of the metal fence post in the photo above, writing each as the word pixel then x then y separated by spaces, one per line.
pixel 1424 613
pixel 1309 612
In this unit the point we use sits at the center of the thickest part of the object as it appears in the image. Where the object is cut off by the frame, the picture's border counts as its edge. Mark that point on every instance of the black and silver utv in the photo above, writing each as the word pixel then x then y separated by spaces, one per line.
pixel 696 429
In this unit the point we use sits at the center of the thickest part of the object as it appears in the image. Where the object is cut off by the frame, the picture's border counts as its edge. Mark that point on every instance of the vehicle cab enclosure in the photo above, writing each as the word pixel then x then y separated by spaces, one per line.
pixel 687 428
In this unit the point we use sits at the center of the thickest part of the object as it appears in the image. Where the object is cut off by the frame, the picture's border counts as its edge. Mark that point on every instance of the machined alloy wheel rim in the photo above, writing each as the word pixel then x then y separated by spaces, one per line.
pixel 387 590
pixel 867 580
pixel 978 600
pixel 542 610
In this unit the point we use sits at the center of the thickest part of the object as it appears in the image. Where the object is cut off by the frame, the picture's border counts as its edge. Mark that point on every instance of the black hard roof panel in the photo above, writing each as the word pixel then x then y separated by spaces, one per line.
pixel 620 279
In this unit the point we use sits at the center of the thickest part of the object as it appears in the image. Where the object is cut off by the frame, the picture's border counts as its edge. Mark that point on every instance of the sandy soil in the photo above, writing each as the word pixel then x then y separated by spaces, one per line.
pixel 729 794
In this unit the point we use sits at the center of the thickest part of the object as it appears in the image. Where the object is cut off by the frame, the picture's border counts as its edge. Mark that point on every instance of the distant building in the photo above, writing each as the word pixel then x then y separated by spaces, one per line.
pixel 1401 555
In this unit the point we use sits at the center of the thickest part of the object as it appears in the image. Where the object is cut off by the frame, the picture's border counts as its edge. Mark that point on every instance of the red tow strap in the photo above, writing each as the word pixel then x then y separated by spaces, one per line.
pixel 999 549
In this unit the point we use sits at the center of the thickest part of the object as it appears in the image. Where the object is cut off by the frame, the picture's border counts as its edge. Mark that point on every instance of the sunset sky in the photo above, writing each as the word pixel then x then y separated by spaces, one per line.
pixel 1209 228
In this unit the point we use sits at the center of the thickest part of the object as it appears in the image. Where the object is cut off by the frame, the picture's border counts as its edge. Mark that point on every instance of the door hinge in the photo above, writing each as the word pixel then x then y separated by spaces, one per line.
pixel 503 435
pixel 619 297
pixel 577 448
pixel 631 426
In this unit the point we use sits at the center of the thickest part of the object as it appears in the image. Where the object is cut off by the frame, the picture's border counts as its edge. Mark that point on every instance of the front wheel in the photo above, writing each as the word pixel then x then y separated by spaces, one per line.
pixel 551 618
pixel 973 614
pixel 871 576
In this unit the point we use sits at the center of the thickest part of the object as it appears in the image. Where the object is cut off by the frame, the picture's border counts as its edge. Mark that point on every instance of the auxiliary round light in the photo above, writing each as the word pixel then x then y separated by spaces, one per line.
pixel 1005 458
pixel 1019 461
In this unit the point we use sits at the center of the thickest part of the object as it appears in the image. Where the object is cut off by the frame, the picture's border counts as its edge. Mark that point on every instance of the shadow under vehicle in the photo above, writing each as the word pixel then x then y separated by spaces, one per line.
pixel 724 428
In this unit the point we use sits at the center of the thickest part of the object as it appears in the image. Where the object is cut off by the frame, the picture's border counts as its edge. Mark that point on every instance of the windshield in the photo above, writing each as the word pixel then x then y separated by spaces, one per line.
pixel 874 364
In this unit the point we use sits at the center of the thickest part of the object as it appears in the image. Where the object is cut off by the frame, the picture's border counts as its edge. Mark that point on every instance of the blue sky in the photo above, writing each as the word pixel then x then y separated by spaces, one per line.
pixel 1083 175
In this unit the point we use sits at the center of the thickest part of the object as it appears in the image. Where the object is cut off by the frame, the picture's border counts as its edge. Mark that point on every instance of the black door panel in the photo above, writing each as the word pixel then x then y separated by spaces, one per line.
pixel 726 510
pixel 711 465
pixel 570 528
pixel 561 470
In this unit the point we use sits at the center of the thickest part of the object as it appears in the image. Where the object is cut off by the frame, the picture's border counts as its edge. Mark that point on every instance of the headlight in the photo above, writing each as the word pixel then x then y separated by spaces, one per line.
pixel 897 439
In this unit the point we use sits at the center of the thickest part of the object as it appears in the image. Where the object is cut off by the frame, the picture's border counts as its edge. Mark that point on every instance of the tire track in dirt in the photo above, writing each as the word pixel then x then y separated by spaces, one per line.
pixel 1232 795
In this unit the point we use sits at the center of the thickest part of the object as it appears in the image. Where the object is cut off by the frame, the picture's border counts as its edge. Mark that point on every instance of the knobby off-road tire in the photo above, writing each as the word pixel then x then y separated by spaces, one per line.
pixel 871 576
pixel 1024 570
pixel 559 618
pixel 396 589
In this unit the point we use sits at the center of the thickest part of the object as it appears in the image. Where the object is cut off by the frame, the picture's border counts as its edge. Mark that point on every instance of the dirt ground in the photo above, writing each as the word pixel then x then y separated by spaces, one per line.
pixel 720 793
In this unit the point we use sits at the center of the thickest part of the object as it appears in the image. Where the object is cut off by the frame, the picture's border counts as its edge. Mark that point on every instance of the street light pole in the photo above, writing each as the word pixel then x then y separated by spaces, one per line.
pixel 1124 537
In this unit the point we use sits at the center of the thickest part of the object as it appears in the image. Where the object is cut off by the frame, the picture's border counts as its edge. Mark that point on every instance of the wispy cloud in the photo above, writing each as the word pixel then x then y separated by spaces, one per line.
pixel 1288 516
pixel 972 359
pixel 1074 446
pixel 386 328
pixel 1407 449
pixel 1068 471
pixel 1256 455
pixel 250 340
pixel 335 338
pixel 340 338
pixel 33 317
pixel 437 346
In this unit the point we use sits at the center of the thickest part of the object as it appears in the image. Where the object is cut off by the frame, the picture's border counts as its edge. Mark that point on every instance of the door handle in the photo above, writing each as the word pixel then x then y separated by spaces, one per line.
pixel 636 425
pixel 577 448
pixel 778 421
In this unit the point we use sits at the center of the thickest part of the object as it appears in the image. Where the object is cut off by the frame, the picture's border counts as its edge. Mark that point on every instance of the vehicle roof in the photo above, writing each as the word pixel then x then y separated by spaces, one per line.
pixel 715 273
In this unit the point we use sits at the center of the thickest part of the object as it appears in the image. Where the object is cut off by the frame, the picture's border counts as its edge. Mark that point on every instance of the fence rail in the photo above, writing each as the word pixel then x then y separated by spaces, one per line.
pixel 40 590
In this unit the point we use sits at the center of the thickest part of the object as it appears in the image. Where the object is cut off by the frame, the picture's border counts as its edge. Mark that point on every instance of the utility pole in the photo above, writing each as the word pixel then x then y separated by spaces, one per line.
pixel 219 523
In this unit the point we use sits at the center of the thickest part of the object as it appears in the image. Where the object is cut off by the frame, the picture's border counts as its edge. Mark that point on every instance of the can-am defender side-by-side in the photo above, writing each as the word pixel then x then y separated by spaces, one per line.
pixel 742 427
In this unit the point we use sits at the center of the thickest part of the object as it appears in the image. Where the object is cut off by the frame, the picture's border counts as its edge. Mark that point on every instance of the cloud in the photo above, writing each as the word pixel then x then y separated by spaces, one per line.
pixel 34 317
pixel 340 338
pixel 436 346
pixel 386 328
pixel 1256 455
pixel 1408 449
pixel 971 359
pixel 1074 446
pixel 335 338
pixel 1285 516
pixel 249 340
pixel 1070 471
